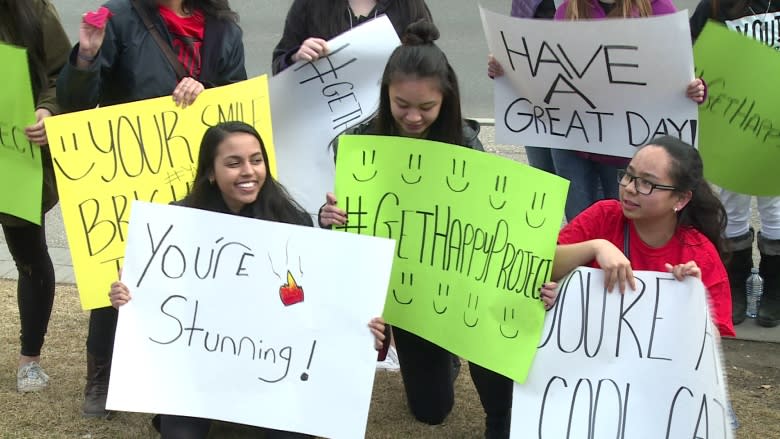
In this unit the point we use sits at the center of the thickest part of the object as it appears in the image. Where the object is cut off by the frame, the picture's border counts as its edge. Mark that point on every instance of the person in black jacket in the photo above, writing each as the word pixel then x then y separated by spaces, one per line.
pixel 310 23
pixel 122 63
pixel 34 25
pixel 419 97
pixel 233 177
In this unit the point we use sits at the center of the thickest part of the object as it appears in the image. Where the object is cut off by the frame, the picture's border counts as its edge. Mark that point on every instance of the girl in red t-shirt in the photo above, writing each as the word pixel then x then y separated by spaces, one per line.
pixel 668 218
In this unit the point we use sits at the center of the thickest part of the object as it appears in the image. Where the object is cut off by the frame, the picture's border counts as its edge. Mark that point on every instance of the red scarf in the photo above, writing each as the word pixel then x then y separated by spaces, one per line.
pixel 187 35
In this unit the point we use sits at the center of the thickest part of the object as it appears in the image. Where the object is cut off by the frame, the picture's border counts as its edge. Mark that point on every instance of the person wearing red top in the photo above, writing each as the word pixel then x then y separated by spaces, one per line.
pixel 187 37
pixel 673 222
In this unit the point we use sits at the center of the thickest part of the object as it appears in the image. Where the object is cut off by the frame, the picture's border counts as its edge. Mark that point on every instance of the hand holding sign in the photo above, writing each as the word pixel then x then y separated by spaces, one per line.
pixel 330 214
pixel 119 294
pixel 311 50
pixel 36 133
pixel 696 91
pixel 187 91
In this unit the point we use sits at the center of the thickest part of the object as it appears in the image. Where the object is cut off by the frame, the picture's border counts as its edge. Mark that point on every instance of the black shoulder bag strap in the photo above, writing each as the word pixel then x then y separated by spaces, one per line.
pixel 626 248
pixel 181 72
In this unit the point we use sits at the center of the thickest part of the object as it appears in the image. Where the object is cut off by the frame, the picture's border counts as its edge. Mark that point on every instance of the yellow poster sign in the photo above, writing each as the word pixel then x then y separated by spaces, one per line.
pixel 147 150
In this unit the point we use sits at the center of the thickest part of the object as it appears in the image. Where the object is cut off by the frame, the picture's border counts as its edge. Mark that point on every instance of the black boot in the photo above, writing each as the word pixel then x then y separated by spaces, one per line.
pixel 96 389
pixel 738 268
pixel 769 309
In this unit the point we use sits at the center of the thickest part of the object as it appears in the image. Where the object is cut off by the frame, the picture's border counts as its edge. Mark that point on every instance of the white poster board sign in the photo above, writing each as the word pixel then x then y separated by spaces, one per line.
pixel 645 364
pixel 603 86
pixel 313 102
pixel 248 321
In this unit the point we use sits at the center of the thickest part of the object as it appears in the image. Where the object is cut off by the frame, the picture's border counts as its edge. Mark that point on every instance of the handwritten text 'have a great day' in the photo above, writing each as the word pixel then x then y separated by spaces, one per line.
pixel 586 120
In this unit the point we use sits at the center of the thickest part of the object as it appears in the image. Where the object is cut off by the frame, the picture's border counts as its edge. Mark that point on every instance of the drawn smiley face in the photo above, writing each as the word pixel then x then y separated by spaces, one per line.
pixel 407 279
pixel 499 194
pixel 368 168
pixel 442 296
pixel 412 176
pixel 457 181
pixel 509 321
pixel 535 216
pixel 470 315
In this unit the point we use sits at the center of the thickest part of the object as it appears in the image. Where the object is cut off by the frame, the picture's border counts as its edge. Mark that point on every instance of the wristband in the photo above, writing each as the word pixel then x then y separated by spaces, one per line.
pixel 86 58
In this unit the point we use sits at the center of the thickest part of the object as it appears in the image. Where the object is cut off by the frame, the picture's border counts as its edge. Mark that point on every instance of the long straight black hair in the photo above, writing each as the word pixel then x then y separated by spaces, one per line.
pixel 704 211
pixel 273 203
pixel 28 33
pixel 419 57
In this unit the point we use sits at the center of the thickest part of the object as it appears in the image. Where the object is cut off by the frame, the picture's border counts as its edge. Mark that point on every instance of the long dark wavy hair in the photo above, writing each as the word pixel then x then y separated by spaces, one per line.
pixel 704 211
pixel 28 33
pixel 419 57
pixel 273 203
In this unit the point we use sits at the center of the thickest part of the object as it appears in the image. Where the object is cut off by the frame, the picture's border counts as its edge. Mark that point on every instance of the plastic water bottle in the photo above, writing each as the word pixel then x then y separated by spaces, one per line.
pixel 755 287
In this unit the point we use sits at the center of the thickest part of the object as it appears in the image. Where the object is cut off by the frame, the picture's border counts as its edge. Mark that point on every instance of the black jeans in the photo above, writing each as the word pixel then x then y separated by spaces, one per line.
pixel 35 289
pixel 428 375
pixel 102 327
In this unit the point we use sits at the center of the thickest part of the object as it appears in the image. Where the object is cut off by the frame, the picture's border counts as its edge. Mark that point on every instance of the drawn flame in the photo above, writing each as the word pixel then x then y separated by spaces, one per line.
pixel 291 280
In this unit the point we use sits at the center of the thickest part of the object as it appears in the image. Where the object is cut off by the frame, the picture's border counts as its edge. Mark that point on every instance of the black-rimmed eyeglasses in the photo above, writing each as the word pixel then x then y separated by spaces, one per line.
pixel 641 185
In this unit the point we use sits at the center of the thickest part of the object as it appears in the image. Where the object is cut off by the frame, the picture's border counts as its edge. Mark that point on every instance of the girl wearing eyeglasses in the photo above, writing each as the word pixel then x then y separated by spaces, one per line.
pixel 667 219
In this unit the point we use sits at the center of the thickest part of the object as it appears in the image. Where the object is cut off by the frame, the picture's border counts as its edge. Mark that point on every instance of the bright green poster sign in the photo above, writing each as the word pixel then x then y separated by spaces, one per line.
pixel 739 123
pixel 475 237
pixel 21 175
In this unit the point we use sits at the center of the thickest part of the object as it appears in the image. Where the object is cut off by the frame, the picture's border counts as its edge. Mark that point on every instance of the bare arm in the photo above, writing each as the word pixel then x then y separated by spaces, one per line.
pixel 570 256
pixel 617 268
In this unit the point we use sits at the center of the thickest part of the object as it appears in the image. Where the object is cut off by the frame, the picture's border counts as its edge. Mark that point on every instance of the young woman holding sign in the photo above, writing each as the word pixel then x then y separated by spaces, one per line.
pixel 419 98
pixel 757 19
pixel 667 219
pixel 311 23
pixel 593 176
pixel 233 177
pixel 34 25
pixel 146 49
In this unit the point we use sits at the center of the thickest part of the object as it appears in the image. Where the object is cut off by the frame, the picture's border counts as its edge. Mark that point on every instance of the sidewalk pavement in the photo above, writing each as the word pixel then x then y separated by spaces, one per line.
pixel 63 266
